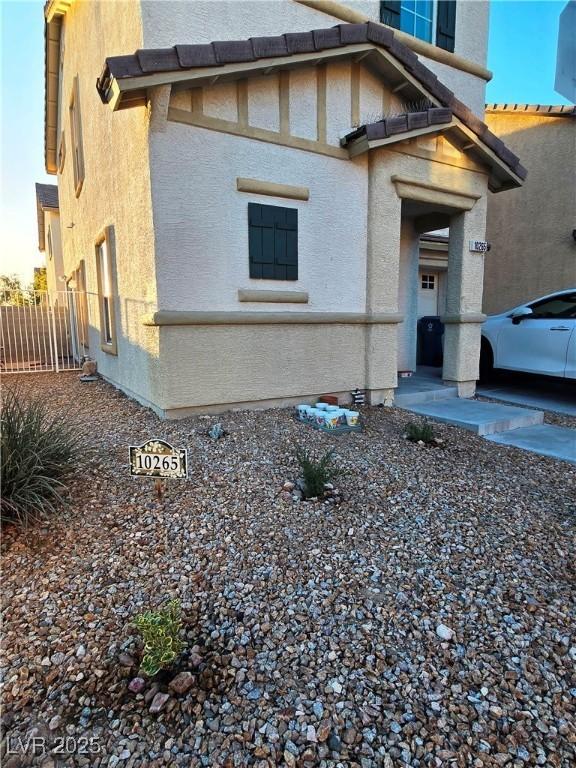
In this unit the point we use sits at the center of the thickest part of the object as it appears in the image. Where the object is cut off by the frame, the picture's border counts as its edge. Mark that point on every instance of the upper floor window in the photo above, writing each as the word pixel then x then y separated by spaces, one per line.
pixel 76 138
pixel 431 20
pixel 416 17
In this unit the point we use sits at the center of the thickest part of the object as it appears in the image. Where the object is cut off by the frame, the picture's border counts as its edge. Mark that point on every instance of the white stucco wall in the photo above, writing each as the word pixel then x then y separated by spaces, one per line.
pixel 203 21
pixel 201 221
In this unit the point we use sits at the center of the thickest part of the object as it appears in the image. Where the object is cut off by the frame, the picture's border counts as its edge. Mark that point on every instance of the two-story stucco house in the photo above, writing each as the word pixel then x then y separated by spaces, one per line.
pixel 245 184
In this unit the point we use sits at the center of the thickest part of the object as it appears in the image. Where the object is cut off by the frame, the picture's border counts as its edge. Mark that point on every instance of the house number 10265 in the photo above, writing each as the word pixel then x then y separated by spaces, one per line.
pixel 157 458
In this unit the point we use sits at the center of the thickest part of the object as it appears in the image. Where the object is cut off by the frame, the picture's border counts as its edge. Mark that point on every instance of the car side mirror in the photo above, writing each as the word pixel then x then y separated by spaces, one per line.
pixel 521 314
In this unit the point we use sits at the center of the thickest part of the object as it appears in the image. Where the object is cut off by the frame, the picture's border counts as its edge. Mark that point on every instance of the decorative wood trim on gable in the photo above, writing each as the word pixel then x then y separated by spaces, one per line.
pixel 284 99
pixel 158 104
pixel 259 134
pixel 321 103
pixel 272 297
pixel 242 101
pixel 412 189
pixel 257 187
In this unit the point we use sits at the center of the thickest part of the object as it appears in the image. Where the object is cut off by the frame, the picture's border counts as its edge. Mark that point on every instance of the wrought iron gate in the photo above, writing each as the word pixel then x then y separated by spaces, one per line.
pixel 42 330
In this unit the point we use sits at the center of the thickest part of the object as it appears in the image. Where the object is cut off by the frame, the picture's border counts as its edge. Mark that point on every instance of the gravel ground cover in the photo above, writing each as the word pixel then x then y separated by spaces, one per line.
pixel 424 619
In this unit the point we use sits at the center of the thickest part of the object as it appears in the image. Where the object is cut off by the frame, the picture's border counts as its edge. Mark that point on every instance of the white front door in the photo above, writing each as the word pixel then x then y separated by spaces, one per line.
pixel 427 293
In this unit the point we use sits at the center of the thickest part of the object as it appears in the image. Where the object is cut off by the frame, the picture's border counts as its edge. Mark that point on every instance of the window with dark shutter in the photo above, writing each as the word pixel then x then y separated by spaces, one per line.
pixel 446 24
pixel 273 242
pixel 390 13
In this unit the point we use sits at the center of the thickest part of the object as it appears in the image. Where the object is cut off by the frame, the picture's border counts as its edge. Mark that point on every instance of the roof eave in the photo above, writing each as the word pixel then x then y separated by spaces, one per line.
pixel 52 33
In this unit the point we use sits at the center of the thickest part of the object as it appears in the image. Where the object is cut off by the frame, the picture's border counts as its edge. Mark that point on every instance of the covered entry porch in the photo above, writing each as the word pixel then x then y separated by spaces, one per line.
pixel 416 186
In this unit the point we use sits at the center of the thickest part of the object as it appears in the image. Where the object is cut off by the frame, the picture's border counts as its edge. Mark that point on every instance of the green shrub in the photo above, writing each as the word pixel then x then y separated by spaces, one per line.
pixel 160 631
pixel 37 449
pixel 421 432
pixel 316 473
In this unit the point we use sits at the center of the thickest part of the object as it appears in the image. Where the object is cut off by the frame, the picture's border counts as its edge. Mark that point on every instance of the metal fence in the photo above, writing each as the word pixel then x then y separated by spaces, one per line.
pixel 42 331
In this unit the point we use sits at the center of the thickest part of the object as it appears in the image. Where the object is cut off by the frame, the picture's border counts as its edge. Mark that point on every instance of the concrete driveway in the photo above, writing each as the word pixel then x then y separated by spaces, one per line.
pixel 556 395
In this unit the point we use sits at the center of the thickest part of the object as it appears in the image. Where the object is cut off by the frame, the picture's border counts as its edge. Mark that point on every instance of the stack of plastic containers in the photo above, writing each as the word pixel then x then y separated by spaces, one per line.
pixel 325 416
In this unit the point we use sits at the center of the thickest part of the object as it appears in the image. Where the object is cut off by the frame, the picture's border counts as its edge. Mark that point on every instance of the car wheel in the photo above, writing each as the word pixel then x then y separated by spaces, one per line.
pixel 486 361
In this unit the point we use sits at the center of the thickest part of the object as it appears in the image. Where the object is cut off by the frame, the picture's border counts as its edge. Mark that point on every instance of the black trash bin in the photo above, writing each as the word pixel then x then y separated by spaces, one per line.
pixel 430 332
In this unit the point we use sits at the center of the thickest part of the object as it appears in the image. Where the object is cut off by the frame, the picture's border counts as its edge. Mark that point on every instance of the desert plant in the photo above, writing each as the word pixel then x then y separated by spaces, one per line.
pixel 37 449
pixel 420 432
pixel 316 472
pixel 160 631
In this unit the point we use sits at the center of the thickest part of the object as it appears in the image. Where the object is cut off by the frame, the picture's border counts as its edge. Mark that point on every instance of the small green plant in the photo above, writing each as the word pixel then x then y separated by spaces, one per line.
pixel 37 450
pixel 420 432
pixel 160 631
pixel 316 472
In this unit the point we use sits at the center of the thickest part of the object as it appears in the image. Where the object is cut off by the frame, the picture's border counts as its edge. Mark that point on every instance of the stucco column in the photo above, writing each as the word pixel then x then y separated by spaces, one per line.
pixel 382 273
pixel 464 300
pixel 408 294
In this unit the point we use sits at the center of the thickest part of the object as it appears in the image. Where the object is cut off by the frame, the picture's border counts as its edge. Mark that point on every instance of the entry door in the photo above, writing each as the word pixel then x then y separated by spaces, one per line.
pixel 428 293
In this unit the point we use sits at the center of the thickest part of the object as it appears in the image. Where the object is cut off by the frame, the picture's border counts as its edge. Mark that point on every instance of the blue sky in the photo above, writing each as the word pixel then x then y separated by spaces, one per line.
pixel 522 55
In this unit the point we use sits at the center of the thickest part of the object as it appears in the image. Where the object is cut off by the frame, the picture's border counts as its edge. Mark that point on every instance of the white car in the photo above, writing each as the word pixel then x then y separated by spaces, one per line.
pixel 538 337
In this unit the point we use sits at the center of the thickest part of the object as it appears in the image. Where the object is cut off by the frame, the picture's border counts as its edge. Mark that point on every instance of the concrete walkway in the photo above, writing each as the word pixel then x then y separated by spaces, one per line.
pixel 545 439
pixel 476 416
pixel 504 424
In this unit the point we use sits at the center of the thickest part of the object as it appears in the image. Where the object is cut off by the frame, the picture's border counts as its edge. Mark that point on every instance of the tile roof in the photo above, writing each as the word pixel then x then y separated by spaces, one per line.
pixel 46 199
pixel 47 195
pixel 397 124
pixel 545 110
pixel 219 53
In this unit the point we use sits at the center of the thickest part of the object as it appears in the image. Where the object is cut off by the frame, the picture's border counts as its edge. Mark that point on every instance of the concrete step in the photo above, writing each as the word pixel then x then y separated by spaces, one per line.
pixel 406 396
pixel 545 439
pixel 476 416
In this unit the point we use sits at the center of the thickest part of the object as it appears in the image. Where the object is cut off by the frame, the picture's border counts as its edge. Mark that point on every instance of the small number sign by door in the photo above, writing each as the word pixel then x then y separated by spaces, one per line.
pixel 157 458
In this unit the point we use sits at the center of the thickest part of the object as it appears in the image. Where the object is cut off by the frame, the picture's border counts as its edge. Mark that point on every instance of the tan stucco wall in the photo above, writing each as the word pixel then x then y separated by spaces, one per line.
pixel 116 190
pixel 530 229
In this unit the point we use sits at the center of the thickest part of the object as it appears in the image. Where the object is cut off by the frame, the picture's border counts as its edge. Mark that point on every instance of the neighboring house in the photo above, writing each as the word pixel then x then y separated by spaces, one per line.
pixel 565 82
pixel 532 230
pixel 49 240
pixel 248 210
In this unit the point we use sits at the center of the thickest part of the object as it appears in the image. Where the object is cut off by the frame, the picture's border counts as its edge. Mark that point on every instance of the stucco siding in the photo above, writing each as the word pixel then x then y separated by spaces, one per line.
pixel 374 98
pixel 263 104
pixel 221 100
pixel 203 21
pixel 302 103
pixel 239 364
pixel 338 99
pixel 530 229
pixel 115 191
pixel 54 263
pixel 201 221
